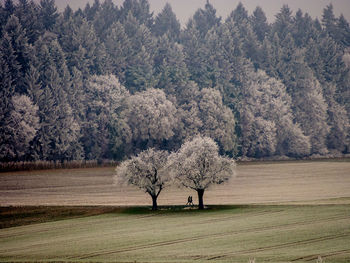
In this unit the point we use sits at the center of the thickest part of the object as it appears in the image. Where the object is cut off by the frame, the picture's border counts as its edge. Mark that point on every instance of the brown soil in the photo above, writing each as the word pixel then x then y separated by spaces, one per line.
pixel 297 182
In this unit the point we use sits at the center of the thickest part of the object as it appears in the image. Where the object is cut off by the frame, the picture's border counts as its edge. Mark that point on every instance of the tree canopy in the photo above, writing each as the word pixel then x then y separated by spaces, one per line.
pixel 147 171
pixel 108 81
pixel 198 165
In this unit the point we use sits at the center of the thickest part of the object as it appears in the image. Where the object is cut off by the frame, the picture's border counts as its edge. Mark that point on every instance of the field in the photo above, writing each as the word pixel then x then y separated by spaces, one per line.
pixel 274 212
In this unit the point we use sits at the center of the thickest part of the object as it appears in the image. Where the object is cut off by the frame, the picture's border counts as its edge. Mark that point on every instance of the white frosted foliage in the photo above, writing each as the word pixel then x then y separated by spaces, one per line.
pixel 150 115
pixel 147 171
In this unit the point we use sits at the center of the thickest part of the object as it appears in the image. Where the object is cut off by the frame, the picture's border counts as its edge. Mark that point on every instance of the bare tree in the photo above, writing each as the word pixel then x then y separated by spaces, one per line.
pixel 197 165
pixel 147 172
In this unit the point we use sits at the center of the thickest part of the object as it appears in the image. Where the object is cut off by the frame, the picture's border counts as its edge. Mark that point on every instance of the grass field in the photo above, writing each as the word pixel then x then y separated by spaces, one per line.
pixel 272 233
pixel 275 212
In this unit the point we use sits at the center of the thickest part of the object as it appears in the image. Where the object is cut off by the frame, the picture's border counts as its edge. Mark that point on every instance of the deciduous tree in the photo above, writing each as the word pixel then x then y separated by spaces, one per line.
pixel 147 171
pixel 198 165
pixel 25 124
pixel 151 117
pixel 103 96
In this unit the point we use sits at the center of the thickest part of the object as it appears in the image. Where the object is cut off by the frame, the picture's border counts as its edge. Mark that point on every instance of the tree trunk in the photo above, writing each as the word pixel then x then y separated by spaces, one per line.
pixel 200 198
pixel 154 203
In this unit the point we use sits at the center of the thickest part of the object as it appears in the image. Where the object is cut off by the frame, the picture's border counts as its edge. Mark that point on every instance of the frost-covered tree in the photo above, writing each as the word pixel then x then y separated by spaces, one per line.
pixel 170 67
pixel 167 23
pixel 28 14
pixel 338 121
pixel 203 111
pixel 15 39
pixel 118 48
pixel 18 129
pixel 147 171
pixel 287 62
pixel 304 29
pixel 198 165
pixel 139 72
pixel 48 13
pixel 343 31
pixel 58 136
pixel 226 62
pixel 139 9
pixel 206 19
pixel 103 96
pixel 84 50
pixel 283 23
pixel 195 54
pixel 329 20
pixel 104 18
pixel 25 124
pixel 259 23
pixel 266 120
pixel 151 118
pixel 218 121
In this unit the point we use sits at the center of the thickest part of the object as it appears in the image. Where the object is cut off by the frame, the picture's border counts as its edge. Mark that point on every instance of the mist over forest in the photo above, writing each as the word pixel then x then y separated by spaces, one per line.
pixel 106 82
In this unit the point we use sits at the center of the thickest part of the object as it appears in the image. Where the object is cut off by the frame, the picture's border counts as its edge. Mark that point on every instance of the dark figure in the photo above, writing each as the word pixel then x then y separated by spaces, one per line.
pixel 190 201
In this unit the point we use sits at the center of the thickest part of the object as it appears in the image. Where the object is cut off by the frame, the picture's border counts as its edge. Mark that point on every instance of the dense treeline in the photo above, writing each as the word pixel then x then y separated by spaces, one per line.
pixel 105 82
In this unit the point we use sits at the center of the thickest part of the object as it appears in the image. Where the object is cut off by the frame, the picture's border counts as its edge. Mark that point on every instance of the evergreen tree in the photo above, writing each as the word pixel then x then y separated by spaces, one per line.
pixel 338 120
pixel 331 60
pixel 206 19
pixel 91 11
pixel 170 66
pixel 226 52
pixel 68 12
pixel 2 18
pixel 314 59
pixel 259 23
pixel 118 48
pixel 304 29
pixel 48 14
pixel 8 64
pixel 106 16
pixel 33 85
pixel 140 9
pixel 84 51
pixel 240 14
pixel 248 41
pixel 329 21
pixel 283 23
pixel 28 15
pixel 139 73
pixel 8 9
pixel 166 23
pixel 309 106
pixel 195 54
pixel 343 32
pixel 14 33
pixel 270 55
pixel 58 137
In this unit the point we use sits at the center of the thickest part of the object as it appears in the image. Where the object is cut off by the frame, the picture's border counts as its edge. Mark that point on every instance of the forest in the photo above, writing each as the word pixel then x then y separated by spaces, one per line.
pixel 105 82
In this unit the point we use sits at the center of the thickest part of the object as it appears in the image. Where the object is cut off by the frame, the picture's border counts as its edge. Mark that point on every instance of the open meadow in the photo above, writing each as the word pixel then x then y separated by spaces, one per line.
pixel 273 212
